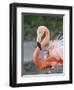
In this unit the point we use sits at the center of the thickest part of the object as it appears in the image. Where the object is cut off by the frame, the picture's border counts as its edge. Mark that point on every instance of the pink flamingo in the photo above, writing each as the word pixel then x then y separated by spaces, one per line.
pixel 55 52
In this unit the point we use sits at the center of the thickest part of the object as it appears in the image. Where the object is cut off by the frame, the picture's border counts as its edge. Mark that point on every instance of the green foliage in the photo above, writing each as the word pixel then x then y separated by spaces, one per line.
pixel 30 24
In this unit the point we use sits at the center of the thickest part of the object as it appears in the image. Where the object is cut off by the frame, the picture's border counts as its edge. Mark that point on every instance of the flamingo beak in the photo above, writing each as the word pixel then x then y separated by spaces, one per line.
pixel 39 45
pixel 39 37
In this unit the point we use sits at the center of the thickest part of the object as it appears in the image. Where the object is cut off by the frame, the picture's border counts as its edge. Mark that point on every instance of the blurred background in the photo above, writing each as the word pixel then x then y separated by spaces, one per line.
pixel 30 24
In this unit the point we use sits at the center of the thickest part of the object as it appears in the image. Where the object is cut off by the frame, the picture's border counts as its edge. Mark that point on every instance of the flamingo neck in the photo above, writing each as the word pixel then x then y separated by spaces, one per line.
pixel 43 43
pixel 45 40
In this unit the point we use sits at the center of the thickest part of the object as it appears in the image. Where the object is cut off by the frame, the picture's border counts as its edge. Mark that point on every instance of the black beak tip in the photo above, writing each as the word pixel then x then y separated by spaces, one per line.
pixel 39 45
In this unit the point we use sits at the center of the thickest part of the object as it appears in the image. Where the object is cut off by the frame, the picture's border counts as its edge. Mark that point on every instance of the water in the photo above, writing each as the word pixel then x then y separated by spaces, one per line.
pixel 28 49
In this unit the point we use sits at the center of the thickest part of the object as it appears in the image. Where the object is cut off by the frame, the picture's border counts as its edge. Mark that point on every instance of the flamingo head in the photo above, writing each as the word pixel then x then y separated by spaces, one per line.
pixel 41 32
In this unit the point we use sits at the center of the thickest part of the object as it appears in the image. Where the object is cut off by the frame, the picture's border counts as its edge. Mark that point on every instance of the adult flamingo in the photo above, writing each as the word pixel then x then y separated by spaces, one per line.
pixel 53 59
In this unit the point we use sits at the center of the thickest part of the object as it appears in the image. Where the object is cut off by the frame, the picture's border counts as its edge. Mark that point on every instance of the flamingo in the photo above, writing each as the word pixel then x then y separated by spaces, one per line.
pixel 55 52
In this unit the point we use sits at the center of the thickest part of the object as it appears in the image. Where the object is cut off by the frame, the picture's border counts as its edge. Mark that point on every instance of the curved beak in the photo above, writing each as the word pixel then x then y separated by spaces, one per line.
pixel 39 45
pixel 39 37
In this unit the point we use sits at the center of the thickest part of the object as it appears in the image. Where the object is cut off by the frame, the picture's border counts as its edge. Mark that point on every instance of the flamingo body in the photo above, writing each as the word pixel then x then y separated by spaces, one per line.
pixel 55 52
